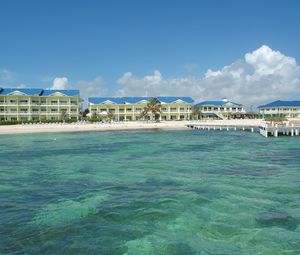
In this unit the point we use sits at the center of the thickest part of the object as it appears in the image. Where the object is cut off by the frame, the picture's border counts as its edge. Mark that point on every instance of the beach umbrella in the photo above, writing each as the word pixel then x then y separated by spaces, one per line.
pixel 103 113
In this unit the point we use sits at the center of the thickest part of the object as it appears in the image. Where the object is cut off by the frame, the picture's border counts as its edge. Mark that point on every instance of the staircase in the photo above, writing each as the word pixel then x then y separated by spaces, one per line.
pixel 220 115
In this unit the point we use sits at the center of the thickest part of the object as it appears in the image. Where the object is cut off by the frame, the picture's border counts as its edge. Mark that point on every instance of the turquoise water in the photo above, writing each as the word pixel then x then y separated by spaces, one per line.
pixel 153 192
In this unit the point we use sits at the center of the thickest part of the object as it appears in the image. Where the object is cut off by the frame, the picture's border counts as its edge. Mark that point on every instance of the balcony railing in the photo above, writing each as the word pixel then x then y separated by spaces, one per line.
pixel 34 112
pixel 37 104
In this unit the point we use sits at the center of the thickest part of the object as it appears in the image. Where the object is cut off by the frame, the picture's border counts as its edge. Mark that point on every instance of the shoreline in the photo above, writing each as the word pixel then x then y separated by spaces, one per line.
pixel 166 125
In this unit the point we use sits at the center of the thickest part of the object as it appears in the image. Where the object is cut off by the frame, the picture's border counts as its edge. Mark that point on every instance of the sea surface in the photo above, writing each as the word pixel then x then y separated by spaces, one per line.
pixel 149 192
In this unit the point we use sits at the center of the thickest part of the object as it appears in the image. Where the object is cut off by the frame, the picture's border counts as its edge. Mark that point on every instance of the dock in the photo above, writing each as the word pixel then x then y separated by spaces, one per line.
pixel 276 130
pixel 265 129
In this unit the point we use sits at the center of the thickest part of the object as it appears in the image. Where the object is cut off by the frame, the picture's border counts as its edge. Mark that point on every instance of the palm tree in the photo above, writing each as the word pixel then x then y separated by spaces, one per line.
pixel 195 113
pixel 94 115
pixel 153 107
pixel 110 116
pixel 64 116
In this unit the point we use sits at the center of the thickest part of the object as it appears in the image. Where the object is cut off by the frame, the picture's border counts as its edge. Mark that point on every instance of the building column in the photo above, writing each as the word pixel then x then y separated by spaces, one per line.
pixel 17 103
pixel 30 109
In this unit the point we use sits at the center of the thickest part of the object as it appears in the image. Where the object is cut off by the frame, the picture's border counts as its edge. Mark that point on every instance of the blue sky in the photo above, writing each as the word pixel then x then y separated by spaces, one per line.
pixel 82 40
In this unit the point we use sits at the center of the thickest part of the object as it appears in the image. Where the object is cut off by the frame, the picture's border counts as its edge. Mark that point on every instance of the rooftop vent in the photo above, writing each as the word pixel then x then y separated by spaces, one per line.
pixel 225 100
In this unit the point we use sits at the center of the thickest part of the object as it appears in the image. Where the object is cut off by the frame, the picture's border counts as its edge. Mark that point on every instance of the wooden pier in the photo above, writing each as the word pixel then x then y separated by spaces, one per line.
pixel 279 130
pixel 266 129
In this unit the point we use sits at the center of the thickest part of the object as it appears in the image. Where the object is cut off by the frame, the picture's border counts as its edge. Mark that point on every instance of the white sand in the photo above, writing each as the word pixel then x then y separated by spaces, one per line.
pixel 47 128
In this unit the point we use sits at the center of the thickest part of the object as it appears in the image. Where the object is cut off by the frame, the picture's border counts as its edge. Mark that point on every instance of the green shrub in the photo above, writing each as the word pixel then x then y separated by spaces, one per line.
pixel 18 122
pixel 275 118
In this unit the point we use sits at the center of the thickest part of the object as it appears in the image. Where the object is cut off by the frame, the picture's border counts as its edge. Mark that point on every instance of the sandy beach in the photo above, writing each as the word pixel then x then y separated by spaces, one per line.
pixel 167 125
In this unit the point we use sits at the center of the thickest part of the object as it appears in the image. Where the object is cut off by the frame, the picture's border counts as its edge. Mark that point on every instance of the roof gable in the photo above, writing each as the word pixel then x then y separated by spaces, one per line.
pixel 218 103
pixel 17 93
pixel 20 92
pixel 138 100
pixel 62 92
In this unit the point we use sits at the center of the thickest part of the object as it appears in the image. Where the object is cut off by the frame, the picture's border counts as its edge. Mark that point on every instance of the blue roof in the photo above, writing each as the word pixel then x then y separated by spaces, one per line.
pixel 280 103
pixel 37 92
pixel 134 100
pixel 217 103
pixel 72 92
pixel 29 92
pixel 188 100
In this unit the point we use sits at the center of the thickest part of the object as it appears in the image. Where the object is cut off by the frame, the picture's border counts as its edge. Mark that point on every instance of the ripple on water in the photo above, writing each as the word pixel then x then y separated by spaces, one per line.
pixel 176 192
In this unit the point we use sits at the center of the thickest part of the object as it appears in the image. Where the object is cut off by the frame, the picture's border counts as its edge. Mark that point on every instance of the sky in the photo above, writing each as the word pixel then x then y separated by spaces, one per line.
pixel 247 51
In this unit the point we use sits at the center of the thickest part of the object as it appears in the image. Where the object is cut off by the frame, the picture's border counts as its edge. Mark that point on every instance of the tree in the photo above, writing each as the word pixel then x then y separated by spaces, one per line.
pixel 85 112
pixel 110 116
pixel 195 113
pixel 95 116
pixel 64 116
pixel 152 108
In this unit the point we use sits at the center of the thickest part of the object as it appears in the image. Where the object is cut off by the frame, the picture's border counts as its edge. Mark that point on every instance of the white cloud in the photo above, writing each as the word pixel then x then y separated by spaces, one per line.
pixel 60 83
pixel 21 86
pixel 87 88
pixel 92 88
pixel 263 75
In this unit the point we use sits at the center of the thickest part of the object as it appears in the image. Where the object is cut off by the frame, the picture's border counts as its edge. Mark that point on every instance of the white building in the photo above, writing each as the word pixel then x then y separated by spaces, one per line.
pixel 38 104
pixel 222 109
pixel 288 109
pixel 130 108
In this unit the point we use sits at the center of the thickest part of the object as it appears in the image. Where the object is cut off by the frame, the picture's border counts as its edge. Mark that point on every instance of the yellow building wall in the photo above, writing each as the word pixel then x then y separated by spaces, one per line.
pixel 128 112
pixel 38 107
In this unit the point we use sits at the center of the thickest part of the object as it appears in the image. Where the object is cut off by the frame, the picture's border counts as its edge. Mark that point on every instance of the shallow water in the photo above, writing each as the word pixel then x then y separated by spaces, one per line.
pixel 149 192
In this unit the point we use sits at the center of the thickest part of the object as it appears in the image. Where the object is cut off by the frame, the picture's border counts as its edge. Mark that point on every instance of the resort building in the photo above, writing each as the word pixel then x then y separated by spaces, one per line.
pixel 222 109
pixel 38 104
pixel 288 109
pixel 130 108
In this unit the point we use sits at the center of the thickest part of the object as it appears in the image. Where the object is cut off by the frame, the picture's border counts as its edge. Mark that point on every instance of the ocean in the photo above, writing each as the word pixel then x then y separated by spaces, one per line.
pixel 149 192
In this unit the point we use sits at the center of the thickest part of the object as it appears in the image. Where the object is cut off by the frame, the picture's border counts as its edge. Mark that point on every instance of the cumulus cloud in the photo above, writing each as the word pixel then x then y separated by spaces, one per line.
pixel 261 76
pixel 21 86
pixel 60 83
pixel 87 88
pixel 92 88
